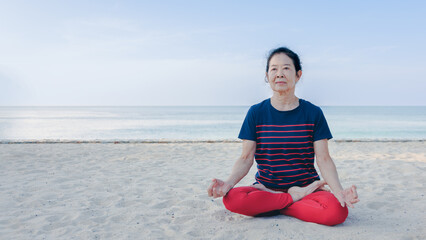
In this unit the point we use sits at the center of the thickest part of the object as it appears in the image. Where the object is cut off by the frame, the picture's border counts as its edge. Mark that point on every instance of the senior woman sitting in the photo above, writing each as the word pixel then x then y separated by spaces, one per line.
pixel 284 134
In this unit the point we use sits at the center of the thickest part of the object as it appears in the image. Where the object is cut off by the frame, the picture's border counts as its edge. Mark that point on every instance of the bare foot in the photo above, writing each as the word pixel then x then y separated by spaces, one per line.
pixel 263 188
pixel 298 193
pixel 323 188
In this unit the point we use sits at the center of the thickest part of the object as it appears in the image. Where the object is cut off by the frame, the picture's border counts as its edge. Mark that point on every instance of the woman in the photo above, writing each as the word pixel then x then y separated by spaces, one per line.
pixel 284 134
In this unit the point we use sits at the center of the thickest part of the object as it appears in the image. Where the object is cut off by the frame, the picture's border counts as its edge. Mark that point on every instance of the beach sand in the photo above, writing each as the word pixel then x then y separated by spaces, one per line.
pixel 158 191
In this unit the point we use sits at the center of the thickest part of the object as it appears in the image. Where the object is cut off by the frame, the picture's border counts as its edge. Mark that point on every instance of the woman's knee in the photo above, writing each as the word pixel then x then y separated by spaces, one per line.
pixel 229 198
pixel 234 194
pixel 232 200
pixel 335 214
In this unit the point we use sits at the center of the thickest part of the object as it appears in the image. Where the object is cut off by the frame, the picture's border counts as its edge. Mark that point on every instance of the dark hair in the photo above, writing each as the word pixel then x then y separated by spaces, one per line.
pixel 289 53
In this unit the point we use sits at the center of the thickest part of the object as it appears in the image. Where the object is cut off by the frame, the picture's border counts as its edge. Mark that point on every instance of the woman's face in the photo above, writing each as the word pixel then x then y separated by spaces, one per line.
pixel 282 73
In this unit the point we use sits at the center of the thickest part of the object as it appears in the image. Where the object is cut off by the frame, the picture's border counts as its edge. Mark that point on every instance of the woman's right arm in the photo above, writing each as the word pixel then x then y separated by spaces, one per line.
pixel 219 188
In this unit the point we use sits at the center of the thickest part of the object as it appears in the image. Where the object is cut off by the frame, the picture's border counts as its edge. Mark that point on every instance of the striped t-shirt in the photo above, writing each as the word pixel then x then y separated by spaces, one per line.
pixel 285 150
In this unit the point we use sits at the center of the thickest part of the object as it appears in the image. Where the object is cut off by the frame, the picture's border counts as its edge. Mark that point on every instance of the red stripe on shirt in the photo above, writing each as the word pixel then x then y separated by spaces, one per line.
pixel 283 148
pixel 287 136
pixel 282 154
pixel 307 130
pixel 290 170
pixel 285 125
pixel 281 165
pixel 283 142
pixel 283 159
pixel 281 177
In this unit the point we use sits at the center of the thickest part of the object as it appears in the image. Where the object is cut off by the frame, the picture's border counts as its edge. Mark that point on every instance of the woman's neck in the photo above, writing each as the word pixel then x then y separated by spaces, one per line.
pixel 284 102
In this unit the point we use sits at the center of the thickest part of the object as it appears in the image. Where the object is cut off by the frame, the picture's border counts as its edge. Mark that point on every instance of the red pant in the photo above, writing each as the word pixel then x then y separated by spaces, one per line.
pixel 319 207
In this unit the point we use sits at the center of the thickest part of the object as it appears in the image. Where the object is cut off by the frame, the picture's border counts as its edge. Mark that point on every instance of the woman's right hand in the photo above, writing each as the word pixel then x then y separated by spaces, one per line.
pixel 218 188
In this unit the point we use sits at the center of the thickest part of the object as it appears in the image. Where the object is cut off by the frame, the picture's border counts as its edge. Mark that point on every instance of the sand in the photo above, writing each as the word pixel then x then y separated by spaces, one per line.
pixel 158 191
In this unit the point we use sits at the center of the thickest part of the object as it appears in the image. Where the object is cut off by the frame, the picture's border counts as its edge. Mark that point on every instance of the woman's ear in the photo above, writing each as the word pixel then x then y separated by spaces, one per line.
pixel 266 78
pixel 299 75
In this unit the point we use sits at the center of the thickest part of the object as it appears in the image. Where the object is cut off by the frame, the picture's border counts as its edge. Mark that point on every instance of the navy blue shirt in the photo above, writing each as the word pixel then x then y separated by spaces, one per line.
pixel 285 143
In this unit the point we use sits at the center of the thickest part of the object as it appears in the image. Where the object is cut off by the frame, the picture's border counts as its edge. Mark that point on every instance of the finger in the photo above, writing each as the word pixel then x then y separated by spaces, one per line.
pixel 217 192
pixel 342 203
pixel 210 189
pixel 350 204
pixel 220 193
pixel 219 181
pixel 213 182
pixel 214 192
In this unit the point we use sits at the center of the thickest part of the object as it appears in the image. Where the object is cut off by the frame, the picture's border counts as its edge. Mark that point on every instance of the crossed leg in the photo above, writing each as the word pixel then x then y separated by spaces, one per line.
pixel 318 207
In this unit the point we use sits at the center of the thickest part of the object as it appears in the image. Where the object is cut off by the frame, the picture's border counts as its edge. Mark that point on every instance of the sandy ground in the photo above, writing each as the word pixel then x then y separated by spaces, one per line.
pixel 158 191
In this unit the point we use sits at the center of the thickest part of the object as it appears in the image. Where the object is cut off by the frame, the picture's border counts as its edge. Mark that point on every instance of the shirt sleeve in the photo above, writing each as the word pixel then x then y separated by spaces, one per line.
pixel 248 129
pixel 321 130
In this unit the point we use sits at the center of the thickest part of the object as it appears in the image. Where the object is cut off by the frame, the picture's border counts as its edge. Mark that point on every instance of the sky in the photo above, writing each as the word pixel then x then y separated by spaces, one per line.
pixel 204 53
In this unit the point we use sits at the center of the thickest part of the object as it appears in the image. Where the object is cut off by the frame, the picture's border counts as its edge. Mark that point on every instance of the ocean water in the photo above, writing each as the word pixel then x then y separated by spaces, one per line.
pixel 194 123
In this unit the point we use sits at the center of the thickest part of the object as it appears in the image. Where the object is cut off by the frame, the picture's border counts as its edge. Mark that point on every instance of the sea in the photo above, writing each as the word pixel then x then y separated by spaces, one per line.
pixel 196 123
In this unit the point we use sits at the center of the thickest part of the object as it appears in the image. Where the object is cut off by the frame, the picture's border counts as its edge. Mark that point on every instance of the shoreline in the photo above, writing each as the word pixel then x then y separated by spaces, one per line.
pixel 120 141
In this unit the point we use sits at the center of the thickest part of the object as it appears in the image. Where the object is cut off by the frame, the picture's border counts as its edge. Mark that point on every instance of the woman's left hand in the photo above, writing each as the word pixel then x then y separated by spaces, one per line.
pixel 348 196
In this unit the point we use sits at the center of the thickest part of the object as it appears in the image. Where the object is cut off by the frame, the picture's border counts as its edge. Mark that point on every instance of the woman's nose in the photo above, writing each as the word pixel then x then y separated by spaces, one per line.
pixel 280 74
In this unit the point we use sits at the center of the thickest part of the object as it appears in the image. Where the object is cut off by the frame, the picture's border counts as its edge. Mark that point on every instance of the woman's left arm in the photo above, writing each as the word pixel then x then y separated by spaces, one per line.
pixel 328 171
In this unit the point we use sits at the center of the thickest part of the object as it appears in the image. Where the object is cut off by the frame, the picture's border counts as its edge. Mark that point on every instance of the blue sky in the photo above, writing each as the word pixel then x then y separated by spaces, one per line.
pixel 136 53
